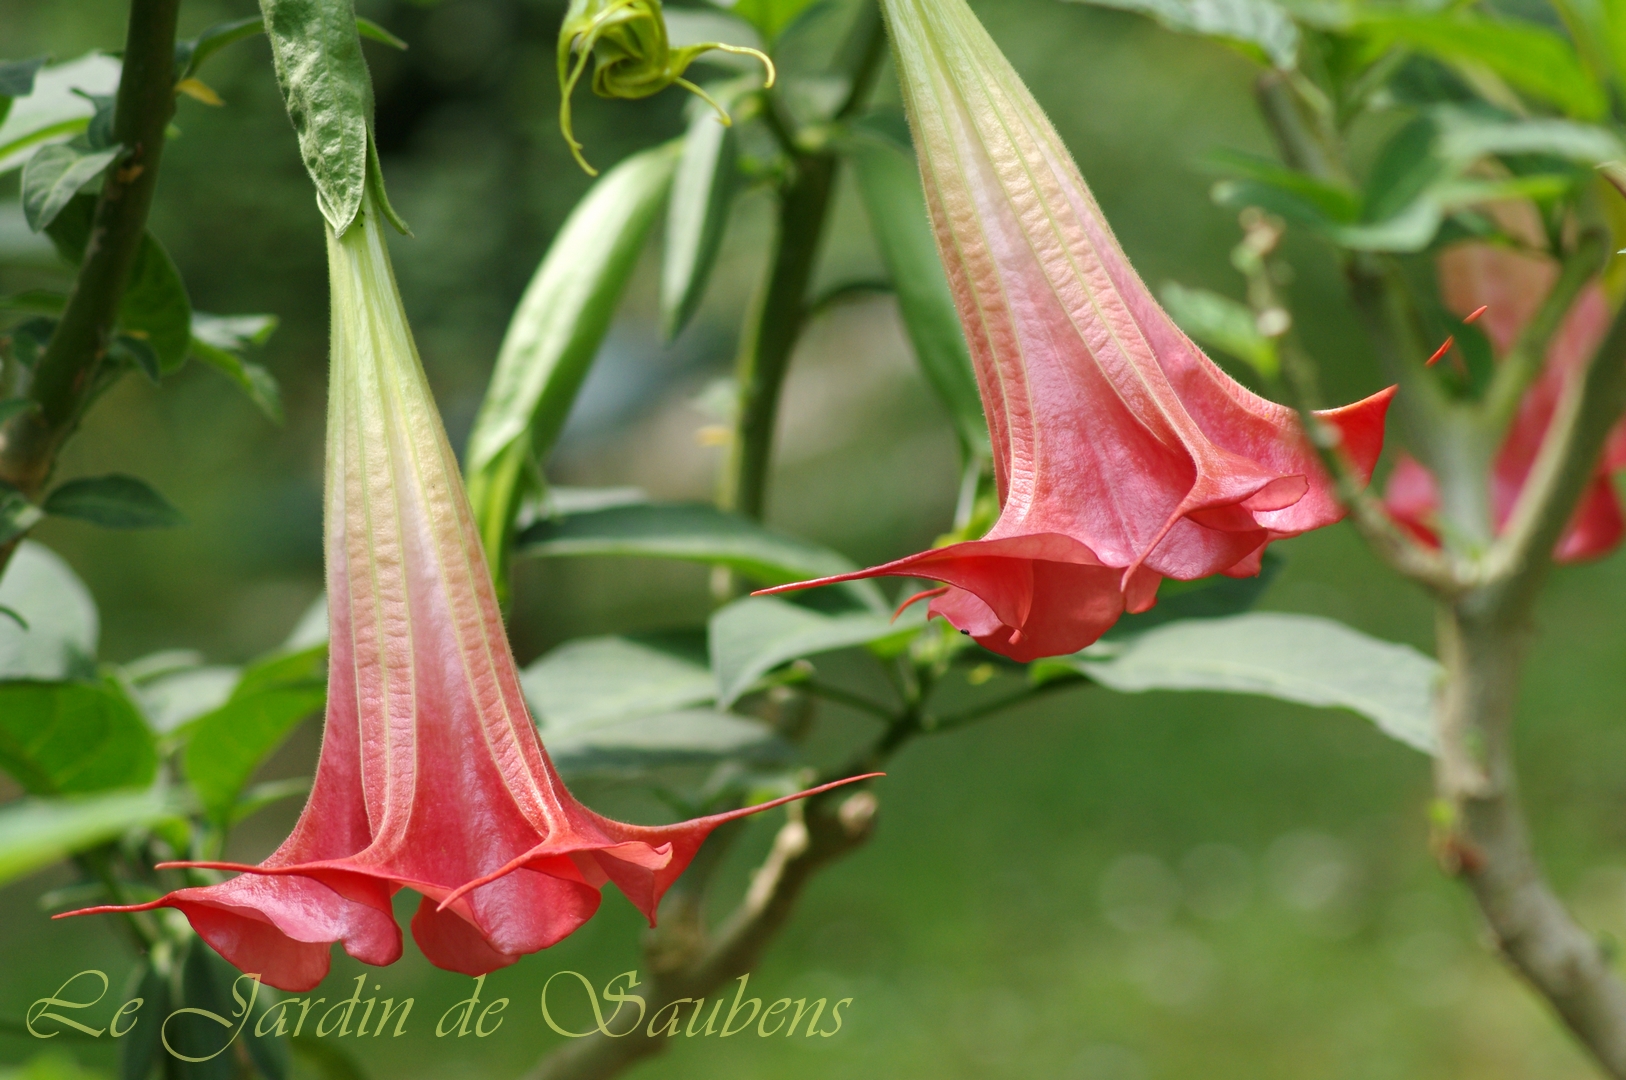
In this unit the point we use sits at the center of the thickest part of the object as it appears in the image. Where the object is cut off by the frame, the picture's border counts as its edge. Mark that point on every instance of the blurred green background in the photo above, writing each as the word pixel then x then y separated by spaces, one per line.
pixel 1098 887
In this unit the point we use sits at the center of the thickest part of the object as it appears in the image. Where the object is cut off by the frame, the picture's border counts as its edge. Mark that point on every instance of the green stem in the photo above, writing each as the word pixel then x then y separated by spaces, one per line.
pixel 69 374
pixel 780 311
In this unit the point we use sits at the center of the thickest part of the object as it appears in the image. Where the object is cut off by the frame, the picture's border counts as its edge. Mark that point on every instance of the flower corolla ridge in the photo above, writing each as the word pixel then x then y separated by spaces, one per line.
pixel 1509 287
pixel 432 776
pixel 1122 454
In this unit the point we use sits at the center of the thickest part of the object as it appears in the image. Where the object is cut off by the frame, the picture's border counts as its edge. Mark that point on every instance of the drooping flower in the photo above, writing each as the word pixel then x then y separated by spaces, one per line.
pixel 1122 454
pixel 1509 287
pixel 432 776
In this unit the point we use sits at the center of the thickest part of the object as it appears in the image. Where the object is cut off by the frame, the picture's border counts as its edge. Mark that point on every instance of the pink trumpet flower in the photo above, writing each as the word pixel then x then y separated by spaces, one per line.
pixel 432 776
pixel 1503 289
pixel 1122 454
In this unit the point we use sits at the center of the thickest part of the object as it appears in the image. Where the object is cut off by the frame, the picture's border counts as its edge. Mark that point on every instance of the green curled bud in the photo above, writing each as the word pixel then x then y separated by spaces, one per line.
pixel 632 57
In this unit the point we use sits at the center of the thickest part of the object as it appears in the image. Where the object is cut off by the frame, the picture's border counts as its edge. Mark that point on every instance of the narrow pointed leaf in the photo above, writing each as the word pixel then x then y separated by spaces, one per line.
pixel 55 175
pixel 113 502
pixel 316 49
pixel 1300 658
pixel 191 54
pixel 1531 57
pixel 17 514
pixel 694 532
pixel 52 112
pixel 1260 28
pixel 140 1047
pixel 555 333
pixel 60 641
pixel 702 195
pixel 69 738
pixel 889 181
pixel 219 340
pixel 751 637
pixel 34 833
pixel 17 77
pixel 174 700
pixel 1221 323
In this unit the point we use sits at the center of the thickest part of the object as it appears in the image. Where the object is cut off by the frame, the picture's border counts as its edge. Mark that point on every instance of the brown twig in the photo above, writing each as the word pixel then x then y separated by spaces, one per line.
pixel 825 830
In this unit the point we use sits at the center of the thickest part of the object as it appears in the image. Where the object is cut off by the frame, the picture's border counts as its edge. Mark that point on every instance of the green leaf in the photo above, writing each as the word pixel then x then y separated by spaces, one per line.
pixel 68 738
pixel 555 333
pixel 369 29
pixel 591 680
pixel 135 352
pixel 53 112
pixel 55 175
pixel 190 55
pixel 17 77
pixel 218 340
pixel 1219 322
pixel 1464 137
pixel 13 406
pixel 17 514
pixel 174 700
pixel 228 744
pixel 29 338
pixel 889 181
pixel 258 797
pixel 1206 598
pixel 1405 168
pixel 155 308
pixel 633 746
pixel 316 49
pixel 770 16
pixel 1300 658
pixel 703 192
pixel 34 833
pixel 206 983
pixel 60 642
pixel 1325 199
pixel 1530 57
pixel 693 532
pixel 113 502
pixel 1263 30
pixel 751 637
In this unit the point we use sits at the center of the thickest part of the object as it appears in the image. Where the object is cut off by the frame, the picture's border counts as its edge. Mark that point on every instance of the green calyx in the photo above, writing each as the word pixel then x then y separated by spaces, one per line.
pixel 632 57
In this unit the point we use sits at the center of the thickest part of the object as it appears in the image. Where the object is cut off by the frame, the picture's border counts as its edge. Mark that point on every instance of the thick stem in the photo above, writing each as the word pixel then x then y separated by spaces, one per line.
pixel 771 330
pixel 67 376
pixel 1488 845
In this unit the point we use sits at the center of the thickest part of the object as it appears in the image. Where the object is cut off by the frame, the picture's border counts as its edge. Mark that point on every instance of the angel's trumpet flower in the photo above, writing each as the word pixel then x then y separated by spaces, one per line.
pixel 1122 454
pixel 432 776
pixel 1507 287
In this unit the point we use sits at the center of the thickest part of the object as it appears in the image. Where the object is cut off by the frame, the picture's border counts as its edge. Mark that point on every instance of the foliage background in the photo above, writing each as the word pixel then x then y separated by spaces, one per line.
pixel 1032 904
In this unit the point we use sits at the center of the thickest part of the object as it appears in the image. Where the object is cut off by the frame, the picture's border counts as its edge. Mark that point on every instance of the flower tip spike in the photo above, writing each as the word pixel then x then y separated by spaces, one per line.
pixel 1443 349
pixel 1473 316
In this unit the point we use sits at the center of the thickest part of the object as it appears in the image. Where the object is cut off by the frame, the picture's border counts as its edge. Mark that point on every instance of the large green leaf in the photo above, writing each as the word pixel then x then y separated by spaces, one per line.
pixel 155 308
pixel 694 532
pixel 316 50
pixel 1218 322
pixel 1533 58
pixel 1301 658
pixel 229 743
pixel 770 16
pixel 68 738
pixel 54 175
pixel 889 181
pixel 219 341
pixel 35 833
pixel 751 637
pixel 1259 28
pixel 555 333
pixel 702 194
pixel 52 112
pixel 59 641
pixel 113 502
pixel 631 747
pixel 591 680
pixel 172 699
